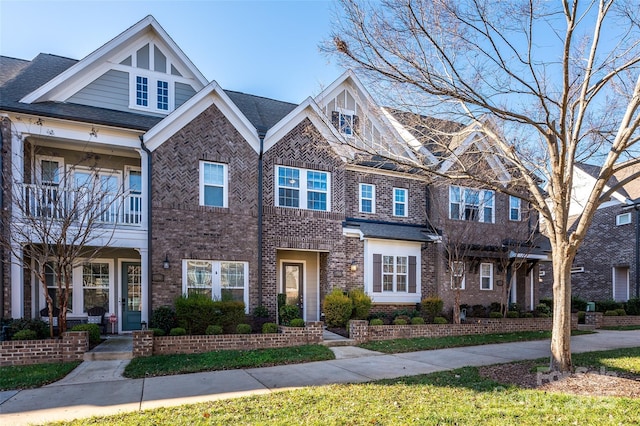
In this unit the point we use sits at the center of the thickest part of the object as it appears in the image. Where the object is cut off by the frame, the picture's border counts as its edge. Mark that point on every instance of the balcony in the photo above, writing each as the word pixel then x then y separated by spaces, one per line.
pixel 80 205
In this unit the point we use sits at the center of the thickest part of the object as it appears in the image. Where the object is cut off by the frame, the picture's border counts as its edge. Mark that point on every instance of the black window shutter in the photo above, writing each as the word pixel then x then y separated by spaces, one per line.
pixel 412 274
pixel 335 119
pixel 377 273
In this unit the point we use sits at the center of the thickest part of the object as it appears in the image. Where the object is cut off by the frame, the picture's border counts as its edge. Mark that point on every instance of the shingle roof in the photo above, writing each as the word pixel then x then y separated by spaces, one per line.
pixel 630 190
pixel 263 113
pixel 10 67
pixel 391 231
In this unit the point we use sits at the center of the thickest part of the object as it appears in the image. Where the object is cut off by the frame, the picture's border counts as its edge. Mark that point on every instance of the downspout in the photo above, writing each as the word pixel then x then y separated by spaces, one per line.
pixel 149 262
pixel 261 135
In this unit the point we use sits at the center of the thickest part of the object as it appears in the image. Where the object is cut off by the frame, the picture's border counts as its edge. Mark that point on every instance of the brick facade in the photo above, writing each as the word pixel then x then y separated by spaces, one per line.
pixel 71 347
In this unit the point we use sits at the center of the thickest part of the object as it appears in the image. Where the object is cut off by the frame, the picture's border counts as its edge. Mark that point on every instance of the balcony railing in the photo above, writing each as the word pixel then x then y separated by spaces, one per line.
pixel 56 202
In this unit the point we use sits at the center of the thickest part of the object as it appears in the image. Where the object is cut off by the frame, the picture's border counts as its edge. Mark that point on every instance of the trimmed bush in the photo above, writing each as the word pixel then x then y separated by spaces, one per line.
pixel 527 315
pixel 41 328
pixel 431 307
pixel 494 307
pixel 269 328
pixel 607 305
pixel 376 321
pixel 543 308
pixel 581 317
pixel 495 314
pixel 177 331
pixel 93 329
pixel 478 311
pixel 213 330
pixel 440 320
pixel 25 335
pixel 158 332
pixel 337 308
pixel 547 301
pixel 578 304
pixel 164 318
pixel 243 329
pixel 513 314
pixel 361 304
pixel 632 307
pixel 288 313
pixel 417 320
pixel 543 315
pixel 621 312
pixel 196 312
pixel 296 322
pixel 261 312
pixel 399 321
pixel 611 313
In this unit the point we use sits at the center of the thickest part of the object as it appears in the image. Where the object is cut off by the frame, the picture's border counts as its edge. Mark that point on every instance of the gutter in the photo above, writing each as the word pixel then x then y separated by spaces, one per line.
pixel 149 261
pixel 261 135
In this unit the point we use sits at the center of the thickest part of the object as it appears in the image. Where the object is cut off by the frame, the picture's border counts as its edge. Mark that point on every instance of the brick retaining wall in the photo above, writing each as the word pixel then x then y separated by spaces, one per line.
pixel 620 321
pixel 70 347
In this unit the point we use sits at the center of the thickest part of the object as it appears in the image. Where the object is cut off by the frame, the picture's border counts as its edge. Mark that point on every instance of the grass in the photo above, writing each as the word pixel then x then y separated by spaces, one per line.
pixel 622 327
pixel 162 365
pixel 33 376
pixel 451 397
pixel 430 343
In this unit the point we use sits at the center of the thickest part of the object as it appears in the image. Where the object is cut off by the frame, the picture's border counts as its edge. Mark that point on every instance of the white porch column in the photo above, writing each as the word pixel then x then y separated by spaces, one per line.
pixel 146 282
pixel 531 281
pixel 17 282
pixel 17 272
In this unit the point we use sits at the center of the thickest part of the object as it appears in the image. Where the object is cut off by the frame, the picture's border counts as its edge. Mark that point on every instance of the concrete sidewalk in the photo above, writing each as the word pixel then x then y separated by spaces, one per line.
pixel 113 394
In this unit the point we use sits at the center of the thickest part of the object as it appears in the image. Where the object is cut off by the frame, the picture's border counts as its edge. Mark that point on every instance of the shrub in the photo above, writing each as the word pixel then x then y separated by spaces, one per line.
pixel 478 311
pixel 164 318
pixel 581 316
pixel 376 321
pixel 93 329
pixel 261 312
pixel 196 312
pixel 578 304
pixel 337 308
pixel 399 321
pixel 282 301
pixel 405 313
pixel 514 307
pixel 361 304
pixel 243 329
pixel 543 308
pixel 417 320
pixel 177 331
pixel 431 307
pixel 296 322
pixel 288 313
pixel 440 320
pixel 231 314
pixel 494 307
pixel 621 312
pixel 607 305
pixel 632 307
pixel 158 332
pixel 513 314
pixel 41 328
pixel 543 315
pixel 527 315
pixel 25 335
pixel 494 314
pixel 269 328
pixel 213 330
pixel 611 313
pixel 547 301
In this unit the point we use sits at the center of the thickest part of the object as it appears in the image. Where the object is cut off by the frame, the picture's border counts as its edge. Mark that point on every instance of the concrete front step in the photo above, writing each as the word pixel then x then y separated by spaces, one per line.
pixel 107 356
pixel 341 342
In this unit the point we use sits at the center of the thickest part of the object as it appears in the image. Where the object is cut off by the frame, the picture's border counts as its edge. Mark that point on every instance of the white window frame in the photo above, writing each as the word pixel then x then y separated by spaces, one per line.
pixel 405 203
pixel 225 183
pixel 517 208
pixel 483 196
pixel 623 219
pixel 303 191
pixel 490 276
pixel 457 269
pixel 363 198
pixel 392 248
pixel 153 77
pixel 577 269
pixel 348 116
pixel 38 169
pixel 216 278
pixel 395 273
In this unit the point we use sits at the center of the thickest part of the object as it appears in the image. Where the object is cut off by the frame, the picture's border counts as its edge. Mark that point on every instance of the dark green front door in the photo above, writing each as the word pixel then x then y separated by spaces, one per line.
pixel 131 296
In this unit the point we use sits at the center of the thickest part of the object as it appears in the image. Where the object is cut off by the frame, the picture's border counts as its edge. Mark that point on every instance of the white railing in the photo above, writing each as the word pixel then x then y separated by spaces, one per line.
pixel 55 202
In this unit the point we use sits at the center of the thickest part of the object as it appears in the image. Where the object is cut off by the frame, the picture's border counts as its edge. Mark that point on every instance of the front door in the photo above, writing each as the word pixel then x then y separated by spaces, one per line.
pixel 131 296
pixel 621 283
pixel 292 283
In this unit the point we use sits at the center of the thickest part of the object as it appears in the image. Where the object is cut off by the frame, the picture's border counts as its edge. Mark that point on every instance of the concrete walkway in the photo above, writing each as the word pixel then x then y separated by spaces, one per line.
pixel 70 399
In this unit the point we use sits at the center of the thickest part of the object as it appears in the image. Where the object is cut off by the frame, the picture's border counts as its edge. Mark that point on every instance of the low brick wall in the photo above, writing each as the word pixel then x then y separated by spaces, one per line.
pixel 144 344
pixel 620 321
pixel 593 319
pixel 361 331
pixel 70 347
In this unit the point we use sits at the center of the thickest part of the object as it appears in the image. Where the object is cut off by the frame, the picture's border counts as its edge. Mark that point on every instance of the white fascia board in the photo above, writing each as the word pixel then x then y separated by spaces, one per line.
pixel 96 63
pixel 406 135
pixel 353 233
pixel 212 94
pixel 588 178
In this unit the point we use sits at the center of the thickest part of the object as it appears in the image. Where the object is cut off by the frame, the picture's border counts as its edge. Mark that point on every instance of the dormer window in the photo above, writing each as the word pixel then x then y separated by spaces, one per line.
pixel 345 121
pixel 142 91
pixel 152 80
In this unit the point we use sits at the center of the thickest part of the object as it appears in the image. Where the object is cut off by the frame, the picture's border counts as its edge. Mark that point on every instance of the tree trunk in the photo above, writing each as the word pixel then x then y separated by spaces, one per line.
pixel 561 331
pixel 456 303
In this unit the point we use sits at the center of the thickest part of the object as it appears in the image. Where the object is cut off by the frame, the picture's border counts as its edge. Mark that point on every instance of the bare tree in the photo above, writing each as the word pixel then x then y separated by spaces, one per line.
pixel 58 221
pixel 551 84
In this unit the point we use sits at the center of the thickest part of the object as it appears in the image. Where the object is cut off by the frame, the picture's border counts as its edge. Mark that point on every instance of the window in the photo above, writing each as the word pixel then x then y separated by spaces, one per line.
pixel 142 91
pixel 218 280
pixel 514 208
pixel 97 189
pixel 623 219
pixel 151 91
pixel 367 198
pixel 95 285
pixel 392 271
pixel 213 184
pixel 301 188
pixel 458 275
pixel 163 95
pixel 471 204
pixel 577 269
pixel 52 286
pixel 486 276
pixel 395 274
pixel 346 124
pixel 399 202
pixel 133 203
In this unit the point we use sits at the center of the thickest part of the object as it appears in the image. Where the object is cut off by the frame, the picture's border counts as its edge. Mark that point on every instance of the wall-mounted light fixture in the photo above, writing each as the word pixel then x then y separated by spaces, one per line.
pixel 353 266
pixel 166 264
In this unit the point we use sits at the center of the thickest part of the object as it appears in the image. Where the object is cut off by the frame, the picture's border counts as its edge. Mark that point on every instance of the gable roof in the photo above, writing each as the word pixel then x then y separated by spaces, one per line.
pixel 629 190
pixel 262 112
pixel 10 67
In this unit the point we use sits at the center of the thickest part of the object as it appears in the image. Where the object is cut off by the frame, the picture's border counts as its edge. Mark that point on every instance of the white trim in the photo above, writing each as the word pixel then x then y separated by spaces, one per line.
pixel 532 307
pixel 519 208
pixel 152 91
pixel 38 169
pixel 626 216
pixel 408 137
pixel 482 203
pixel 303 284
pixel 577 269
pixel 78 293
pixel 392 248
pixel 490 276
pixel 372 199
pixel 303 191
pixel 463 283
pixel 216 278
pixel 405 203
pixel 143 293
pixel 225 183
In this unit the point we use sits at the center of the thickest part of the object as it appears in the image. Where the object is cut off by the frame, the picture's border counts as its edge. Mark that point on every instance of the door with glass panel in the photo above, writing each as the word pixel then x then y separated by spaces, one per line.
pixel 292 283
pixel 131 296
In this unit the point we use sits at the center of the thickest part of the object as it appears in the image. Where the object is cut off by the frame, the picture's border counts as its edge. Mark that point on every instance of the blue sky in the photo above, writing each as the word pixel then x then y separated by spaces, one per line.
pixel 266 48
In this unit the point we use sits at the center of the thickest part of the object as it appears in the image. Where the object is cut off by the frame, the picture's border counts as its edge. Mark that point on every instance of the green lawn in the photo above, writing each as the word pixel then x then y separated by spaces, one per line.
pixel 33 376
pixel 622 328
pixel 452 397
pixel 430 343
pixel 163 365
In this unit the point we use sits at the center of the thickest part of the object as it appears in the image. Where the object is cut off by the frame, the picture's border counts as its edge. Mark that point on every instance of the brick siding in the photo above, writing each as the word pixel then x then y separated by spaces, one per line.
pixel 71 347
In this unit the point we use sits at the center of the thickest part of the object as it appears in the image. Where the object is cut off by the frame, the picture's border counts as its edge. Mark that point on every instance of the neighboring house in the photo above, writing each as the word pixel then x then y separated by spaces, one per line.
pixel 235 195
pixel 606 266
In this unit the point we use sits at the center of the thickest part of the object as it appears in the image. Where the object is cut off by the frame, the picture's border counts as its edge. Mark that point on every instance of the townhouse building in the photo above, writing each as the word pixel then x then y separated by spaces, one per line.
pixel 239 196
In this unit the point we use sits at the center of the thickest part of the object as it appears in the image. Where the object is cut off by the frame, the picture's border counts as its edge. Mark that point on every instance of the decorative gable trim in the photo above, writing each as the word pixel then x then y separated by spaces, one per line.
pixel 108 57
pixel 210 95
pixel 409 138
